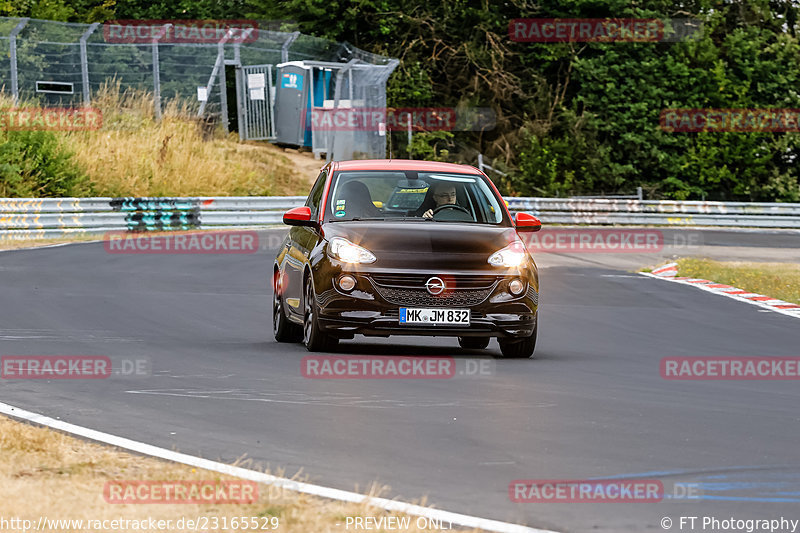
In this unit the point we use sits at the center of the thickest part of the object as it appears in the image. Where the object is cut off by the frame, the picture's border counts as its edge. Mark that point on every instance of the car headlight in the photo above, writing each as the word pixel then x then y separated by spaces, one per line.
pixel 512 256
pixel 344 250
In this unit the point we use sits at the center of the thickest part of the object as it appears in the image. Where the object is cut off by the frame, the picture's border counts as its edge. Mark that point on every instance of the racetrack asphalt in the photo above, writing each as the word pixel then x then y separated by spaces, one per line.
pixel 591 404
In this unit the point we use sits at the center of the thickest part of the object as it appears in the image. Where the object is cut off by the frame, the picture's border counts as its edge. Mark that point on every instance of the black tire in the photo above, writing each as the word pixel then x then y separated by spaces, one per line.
pixel 473 343
pixel 282 329
pixel 519 348
pixel 314 339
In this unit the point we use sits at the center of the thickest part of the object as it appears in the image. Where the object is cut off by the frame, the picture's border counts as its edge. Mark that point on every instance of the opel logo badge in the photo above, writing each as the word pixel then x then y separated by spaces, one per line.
pixel 435 286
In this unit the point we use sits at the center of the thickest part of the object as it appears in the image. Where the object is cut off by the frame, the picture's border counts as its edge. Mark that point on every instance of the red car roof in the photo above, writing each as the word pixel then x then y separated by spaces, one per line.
pixel 403 164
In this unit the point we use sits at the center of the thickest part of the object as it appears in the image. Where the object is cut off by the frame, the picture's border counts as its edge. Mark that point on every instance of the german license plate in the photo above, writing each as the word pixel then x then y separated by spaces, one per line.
pixel 436 317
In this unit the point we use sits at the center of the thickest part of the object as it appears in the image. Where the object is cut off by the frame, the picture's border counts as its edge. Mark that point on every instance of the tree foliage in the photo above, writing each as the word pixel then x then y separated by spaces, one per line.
pixel 571 117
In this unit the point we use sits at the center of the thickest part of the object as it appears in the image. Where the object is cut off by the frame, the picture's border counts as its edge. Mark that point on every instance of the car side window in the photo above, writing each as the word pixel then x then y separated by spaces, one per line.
pixel 315 196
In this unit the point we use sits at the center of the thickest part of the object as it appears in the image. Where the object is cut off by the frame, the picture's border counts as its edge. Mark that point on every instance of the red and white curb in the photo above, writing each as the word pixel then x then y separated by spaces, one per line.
pixel 670 273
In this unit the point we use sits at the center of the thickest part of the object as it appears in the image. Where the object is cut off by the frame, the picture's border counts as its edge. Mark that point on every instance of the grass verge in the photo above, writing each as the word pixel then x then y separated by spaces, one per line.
pixel 134 155
pixel 779 280
pixel 19 244
pixel 44 473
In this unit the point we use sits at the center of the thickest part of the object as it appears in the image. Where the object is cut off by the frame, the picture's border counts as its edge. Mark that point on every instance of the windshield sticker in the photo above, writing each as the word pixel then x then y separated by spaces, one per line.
pixel 339 213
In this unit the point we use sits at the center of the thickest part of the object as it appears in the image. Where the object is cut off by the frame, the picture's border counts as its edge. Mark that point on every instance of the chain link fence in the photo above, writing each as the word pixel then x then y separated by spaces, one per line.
pixel 57 64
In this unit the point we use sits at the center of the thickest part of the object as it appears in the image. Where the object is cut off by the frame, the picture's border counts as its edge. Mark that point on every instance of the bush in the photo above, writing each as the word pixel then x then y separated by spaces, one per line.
pixel 36 164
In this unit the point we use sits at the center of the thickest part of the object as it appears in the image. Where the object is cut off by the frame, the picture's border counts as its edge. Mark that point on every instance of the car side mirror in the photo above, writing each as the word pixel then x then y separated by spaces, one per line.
pixel 299 216
pixel 527 222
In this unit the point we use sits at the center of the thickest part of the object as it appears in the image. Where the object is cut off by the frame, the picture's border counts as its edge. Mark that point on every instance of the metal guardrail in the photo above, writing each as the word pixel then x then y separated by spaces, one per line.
pixel 658 213
pixel 23 218
pixel 651 206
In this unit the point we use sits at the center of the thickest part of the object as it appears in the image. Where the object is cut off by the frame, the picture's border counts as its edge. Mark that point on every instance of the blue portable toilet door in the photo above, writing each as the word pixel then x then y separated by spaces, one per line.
pixel 292 113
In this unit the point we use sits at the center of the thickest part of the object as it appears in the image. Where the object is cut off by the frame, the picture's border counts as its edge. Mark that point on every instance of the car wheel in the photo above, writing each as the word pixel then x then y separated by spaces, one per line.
pixel 314 339
pixel 473 343
pixel 519 348
pixel 282 329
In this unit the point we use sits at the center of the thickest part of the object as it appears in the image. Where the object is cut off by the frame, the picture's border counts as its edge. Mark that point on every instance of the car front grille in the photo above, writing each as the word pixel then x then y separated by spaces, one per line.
pixel 416 281
pixel 533 295
pixel 409 290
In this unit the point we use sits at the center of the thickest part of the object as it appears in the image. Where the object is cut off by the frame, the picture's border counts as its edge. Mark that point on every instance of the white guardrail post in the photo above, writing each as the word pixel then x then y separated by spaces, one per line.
pixel 22 218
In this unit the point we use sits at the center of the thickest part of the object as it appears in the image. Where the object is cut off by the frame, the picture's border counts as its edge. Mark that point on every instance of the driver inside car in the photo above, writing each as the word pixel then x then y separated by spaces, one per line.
pixel 444 193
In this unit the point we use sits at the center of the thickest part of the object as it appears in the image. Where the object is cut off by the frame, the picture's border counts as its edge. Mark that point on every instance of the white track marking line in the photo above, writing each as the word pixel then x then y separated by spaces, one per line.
pixel 737 297
pixel 260 477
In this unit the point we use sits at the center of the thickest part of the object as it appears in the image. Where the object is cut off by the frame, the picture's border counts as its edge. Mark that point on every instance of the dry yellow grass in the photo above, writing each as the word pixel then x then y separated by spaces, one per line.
pixel 134 155
pixel 779 280
pixel 44 473
pixel 18 244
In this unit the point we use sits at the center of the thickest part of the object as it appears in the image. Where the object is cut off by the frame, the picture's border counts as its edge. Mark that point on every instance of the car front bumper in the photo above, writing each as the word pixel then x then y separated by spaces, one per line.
pixel 373 310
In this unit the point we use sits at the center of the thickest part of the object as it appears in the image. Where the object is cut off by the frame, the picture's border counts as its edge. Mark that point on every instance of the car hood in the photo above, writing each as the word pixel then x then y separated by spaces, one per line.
pixel 425 244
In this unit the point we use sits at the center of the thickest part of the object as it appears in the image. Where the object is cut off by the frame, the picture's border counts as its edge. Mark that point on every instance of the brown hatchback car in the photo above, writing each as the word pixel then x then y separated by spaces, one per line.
pixel 394 247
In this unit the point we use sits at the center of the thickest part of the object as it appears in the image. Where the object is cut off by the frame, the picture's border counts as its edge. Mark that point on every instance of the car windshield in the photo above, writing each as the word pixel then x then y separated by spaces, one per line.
pixel 411 195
